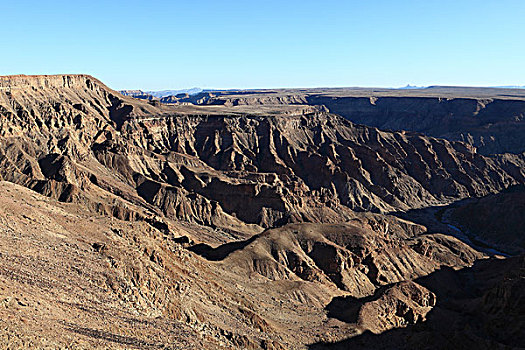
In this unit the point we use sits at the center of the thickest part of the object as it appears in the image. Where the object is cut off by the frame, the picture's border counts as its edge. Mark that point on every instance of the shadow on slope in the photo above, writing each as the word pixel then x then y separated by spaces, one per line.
pixel 494 224
pixel 477 307
pixel 222 251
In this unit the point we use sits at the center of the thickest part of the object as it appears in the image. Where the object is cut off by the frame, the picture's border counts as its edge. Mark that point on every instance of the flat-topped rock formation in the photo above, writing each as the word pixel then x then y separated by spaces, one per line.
pixel 490 119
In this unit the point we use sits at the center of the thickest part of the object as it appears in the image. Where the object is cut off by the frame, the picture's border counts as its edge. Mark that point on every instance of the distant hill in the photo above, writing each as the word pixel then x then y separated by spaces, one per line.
pixel 149 95
pixel 164 93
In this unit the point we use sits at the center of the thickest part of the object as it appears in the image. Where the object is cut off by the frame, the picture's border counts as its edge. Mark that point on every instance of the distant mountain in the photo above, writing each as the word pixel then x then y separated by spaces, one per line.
pixel 164 93
pixel 150 95
pixel 409 87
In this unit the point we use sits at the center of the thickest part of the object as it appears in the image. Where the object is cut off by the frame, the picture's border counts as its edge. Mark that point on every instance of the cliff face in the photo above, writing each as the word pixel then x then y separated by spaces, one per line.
pixel 492 124
pixel 225 226
pixel 318 157
pixel 22 82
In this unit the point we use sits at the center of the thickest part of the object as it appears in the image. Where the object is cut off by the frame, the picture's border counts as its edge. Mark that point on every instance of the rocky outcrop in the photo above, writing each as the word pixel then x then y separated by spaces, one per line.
pixel 399 306
pixel 474 307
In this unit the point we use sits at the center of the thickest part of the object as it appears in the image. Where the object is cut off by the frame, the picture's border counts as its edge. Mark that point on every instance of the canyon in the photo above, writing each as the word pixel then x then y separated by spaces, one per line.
pixel 491 119
pixel 279 219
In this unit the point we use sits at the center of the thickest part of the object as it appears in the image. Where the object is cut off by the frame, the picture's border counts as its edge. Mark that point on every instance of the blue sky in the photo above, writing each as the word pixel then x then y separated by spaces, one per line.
pixel 155 44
